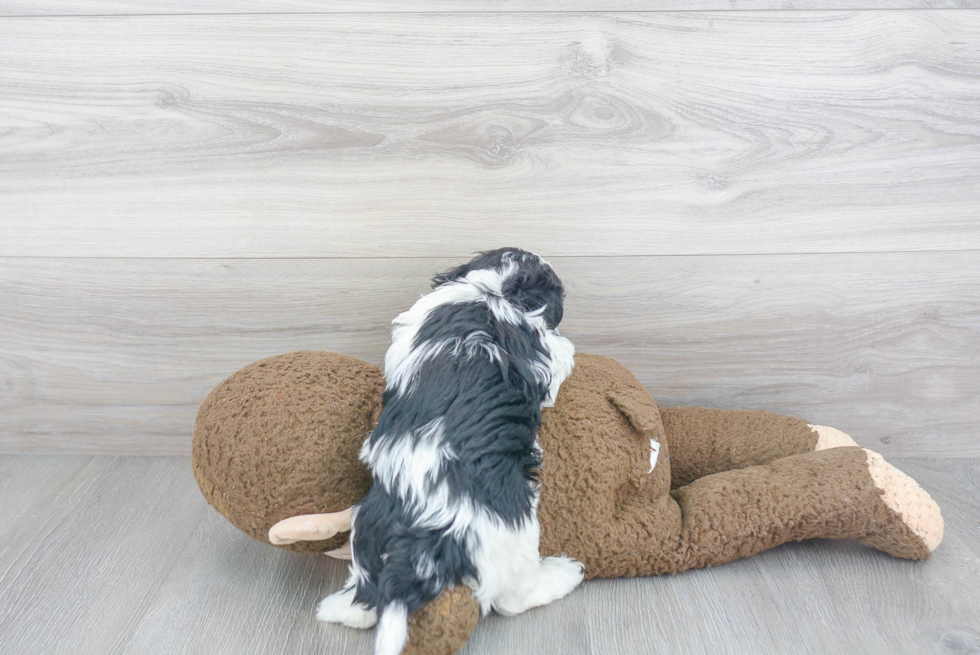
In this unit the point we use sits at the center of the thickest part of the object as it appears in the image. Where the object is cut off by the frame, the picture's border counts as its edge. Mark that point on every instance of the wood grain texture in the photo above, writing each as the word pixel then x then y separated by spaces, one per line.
pixel 431 135
pixel 89 551
pixel 170 7
pixel 115 355
pixel 197 585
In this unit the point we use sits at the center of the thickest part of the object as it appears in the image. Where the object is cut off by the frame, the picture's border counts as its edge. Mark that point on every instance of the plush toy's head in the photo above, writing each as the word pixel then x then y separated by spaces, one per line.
pixel 280 437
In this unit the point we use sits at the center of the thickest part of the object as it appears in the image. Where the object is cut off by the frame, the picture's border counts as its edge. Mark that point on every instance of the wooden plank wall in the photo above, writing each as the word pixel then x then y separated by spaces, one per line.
pixel 752 209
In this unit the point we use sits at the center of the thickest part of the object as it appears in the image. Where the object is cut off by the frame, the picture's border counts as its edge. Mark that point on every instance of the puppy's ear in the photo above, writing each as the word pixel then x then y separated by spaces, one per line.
pixel 452 274
pixel 488 259
pixel 536 285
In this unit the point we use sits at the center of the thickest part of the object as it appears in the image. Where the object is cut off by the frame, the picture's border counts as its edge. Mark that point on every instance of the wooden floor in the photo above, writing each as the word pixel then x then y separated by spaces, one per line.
pixel 105 555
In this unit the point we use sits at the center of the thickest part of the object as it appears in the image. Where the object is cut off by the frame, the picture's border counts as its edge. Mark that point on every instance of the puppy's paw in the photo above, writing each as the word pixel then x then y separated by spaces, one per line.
pixel 556 578
pixel 341 608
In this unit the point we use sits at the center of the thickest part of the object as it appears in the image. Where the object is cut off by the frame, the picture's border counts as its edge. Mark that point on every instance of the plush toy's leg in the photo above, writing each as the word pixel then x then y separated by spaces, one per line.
pixel 838 493
pixel 705 441
pixel 443 626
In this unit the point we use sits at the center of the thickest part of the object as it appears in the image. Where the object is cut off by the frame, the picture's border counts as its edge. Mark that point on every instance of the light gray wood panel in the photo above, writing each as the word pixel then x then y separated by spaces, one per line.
pixel 115 355
pixel 432 135
pixel 137 7
pixel 80 565
pixel 223 578
pixel 198 585
pixel 884 347
pixel 25 481
pixel 811 597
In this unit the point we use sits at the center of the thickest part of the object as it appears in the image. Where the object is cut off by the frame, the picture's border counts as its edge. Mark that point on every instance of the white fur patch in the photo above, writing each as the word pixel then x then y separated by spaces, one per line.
pixel 476 342
pixel 436 512
pixel 341 608
pixel 561 361
pixel 654 454
pixel 490 281
pixel 392 630
pixel 513 577
pixel 407 466
pixel 403 360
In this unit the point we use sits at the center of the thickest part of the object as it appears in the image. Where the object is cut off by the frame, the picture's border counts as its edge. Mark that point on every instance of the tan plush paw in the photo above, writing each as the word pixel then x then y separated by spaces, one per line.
pixel 831 438
pixel 310 527
pixel 921 529
pixel 341 553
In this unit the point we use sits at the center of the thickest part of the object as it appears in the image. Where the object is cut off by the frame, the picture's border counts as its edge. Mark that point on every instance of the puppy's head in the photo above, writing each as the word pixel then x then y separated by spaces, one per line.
pixel 526 281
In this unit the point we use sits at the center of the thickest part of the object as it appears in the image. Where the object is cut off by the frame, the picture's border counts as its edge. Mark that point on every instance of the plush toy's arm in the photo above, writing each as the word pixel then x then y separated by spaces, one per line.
pixel 705 441
pixel 310 527
pixel 313 527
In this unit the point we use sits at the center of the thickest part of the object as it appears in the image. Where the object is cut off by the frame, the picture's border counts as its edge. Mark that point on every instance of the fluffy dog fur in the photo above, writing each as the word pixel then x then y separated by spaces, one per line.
pixel 455 452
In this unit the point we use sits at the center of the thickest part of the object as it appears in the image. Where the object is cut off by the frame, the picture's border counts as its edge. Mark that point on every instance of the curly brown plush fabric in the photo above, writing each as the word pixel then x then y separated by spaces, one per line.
pixel 280 437
pixel 596 445
pixel 443 625
pixel 706 441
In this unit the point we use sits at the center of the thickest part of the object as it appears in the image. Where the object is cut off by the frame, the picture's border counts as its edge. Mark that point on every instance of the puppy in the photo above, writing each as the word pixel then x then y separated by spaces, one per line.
pixel 454 455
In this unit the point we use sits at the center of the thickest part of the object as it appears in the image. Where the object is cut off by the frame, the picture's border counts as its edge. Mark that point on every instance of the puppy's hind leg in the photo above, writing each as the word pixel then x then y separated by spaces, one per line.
pixel 513 577
pixel 557 576
pixel 341 608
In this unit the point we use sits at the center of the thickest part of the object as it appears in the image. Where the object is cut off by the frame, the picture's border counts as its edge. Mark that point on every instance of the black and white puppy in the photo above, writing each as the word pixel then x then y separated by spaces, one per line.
pixel 454 455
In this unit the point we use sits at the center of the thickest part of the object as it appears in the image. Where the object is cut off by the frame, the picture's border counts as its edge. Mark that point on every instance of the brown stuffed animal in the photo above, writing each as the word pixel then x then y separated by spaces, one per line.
pixel 627 488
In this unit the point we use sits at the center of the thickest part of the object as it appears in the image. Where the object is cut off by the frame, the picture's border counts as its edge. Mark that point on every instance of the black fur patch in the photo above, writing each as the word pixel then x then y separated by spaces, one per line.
pixel 534 285
pixel 490 412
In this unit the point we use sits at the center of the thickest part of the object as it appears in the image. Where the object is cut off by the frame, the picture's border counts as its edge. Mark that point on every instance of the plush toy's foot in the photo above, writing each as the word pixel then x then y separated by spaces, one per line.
pixel 914 525
pixel 341 608
pixel 831 438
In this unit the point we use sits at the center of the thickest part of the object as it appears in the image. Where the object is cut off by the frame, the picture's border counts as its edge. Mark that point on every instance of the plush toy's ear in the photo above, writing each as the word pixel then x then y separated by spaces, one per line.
pixel 639 409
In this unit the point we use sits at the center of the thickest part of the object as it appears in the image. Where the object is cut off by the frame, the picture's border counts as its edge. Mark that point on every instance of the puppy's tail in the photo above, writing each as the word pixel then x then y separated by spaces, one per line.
pixel 418 564
pixel 392 633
